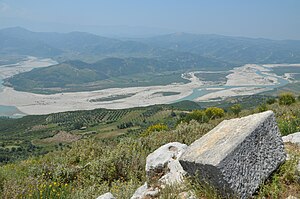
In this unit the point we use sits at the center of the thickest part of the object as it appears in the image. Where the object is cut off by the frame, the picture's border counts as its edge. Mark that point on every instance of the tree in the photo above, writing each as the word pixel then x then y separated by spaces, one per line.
pixel 77 125
pixel 197 115
pixel 236 109
pixel 286 99
pixel 214 112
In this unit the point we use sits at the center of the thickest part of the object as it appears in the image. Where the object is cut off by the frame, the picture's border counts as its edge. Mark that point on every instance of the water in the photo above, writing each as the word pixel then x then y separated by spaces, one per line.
pixel 9 111
pixel 201 91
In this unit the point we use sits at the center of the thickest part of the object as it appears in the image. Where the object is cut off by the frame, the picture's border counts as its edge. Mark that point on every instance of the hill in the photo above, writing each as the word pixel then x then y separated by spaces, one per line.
pixel 111 154
pixel 110 72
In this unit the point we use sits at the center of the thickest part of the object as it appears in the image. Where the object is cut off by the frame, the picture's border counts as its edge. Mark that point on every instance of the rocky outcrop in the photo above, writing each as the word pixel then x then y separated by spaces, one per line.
pixel 237 155
pixel 292 138
pixel 162 168
pixel 106 196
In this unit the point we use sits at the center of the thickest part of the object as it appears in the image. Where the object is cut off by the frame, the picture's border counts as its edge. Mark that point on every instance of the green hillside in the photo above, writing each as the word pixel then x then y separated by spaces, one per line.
pixel 110 72
pixel 92 152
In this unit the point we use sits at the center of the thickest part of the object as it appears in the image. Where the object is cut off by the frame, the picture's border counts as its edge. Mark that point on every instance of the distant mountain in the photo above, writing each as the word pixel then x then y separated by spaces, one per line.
pixel 86 46
pixel 71 45
pixel 238 50
pixel 18 41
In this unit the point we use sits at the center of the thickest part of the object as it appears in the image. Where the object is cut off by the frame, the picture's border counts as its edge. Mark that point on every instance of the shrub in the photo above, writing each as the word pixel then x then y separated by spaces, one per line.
pixel 271 101
pixel 214 112
pixel 197 115
pixel 155 127
pixel 286 99
pixel 262 108
pixel 236 109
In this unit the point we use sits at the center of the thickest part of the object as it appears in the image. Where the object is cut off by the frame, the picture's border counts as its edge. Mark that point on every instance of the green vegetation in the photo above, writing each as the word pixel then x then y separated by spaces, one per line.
pixel 213 76
pixel 166 93
pixel 286 99
pixel 30 135
pixel 236 109
pixel 106 73
pixel 114 160
pixel 112 97
pixel 214 112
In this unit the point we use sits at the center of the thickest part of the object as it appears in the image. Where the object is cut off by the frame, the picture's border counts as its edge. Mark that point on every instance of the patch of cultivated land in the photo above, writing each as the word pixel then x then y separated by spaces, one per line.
pixel 60 137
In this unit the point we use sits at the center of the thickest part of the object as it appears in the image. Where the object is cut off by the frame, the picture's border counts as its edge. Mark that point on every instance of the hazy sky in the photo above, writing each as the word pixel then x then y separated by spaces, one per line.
pixel 279 19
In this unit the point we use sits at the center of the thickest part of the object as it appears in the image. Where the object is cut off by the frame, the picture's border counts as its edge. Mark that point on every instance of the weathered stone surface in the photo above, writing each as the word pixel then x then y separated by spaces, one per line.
pixel 237 155
pixel 292 138
pixel 106 196
pixel 140 192
pixel 162 166
pixel 291 197
pixel 145 192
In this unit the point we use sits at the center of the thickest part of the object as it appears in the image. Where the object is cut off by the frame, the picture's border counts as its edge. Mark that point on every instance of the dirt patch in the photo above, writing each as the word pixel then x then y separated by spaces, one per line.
pixel 61 136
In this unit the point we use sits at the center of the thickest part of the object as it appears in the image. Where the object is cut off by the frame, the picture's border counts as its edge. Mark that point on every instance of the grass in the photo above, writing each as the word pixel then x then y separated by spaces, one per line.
pixel 114 159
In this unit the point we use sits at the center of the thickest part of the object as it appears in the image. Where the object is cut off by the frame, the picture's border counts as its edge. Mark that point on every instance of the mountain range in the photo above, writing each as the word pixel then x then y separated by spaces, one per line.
pixel 86 58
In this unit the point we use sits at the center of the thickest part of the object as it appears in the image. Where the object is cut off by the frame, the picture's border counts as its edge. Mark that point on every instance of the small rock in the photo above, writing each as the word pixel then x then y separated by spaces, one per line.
pixel 140 192
pixel 187 195
pixel 292 138
pixel 163 166
pixel 145 192
pixel 291 197
pixel 152 192
pixel 107 195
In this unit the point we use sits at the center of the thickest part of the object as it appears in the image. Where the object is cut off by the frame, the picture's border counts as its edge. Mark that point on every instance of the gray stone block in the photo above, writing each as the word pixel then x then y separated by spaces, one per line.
pixel 237 155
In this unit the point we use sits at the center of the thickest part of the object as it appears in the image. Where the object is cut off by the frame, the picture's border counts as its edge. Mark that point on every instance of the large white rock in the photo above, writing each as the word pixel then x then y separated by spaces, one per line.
pixel 106 196
pixel 292 138
pixel 162 166
pixel 237 155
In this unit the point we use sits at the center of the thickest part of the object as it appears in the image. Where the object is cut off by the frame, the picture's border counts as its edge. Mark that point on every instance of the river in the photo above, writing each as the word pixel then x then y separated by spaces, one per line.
pixel 9 70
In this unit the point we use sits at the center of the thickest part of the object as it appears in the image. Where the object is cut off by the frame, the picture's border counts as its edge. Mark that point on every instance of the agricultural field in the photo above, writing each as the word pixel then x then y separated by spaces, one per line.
pixel 37 135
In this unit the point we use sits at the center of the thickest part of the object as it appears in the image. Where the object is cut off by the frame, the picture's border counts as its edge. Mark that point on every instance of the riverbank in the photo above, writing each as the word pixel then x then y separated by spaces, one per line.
pixel 245 80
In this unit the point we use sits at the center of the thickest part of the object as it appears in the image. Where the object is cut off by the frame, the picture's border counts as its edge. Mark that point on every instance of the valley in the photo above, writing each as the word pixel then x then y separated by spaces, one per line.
pixel 198 86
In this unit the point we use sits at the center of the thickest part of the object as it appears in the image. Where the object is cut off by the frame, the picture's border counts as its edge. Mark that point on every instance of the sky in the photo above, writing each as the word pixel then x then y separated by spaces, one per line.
pixel 274 19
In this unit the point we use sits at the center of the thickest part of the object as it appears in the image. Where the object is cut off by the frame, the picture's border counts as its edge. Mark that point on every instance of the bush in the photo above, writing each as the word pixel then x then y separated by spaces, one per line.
pixel 197 115
pixel 262 108
pixel 236 109
pixel 286 99
pixel 214 112
pixel 271 101
pixel 155 127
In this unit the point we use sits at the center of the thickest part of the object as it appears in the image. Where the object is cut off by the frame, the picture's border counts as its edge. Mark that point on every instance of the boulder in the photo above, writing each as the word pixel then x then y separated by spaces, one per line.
pixel 106 196
pixel 292 138
pixel 163 167
pixel 237 155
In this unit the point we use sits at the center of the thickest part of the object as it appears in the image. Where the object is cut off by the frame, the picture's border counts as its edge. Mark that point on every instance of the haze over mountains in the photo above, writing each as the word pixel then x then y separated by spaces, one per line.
pixel 100 58
pixel 224 48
